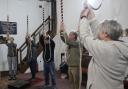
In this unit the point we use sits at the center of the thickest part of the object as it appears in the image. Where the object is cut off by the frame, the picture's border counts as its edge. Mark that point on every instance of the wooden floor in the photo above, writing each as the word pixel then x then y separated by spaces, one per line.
pixel 37 83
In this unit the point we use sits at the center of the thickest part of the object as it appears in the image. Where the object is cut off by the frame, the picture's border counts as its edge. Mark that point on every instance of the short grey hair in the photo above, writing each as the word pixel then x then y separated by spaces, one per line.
pixel 112 28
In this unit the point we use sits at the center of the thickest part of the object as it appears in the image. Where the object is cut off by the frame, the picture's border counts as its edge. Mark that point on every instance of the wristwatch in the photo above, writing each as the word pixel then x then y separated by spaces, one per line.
pixel 83 17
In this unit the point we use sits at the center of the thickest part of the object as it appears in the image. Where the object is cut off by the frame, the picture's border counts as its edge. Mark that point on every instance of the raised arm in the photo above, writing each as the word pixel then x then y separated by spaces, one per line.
pixel 88 24
pixel 64 37
pixel 63 34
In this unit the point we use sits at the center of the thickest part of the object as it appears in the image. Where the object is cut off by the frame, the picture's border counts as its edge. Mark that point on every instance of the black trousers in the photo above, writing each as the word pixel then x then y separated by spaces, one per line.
pixel 33 65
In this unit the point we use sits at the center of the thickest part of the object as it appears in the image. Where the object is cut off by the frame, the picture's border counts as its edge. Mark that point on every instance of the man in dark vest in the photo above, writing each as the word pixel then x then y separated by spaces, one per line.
pixel 31 56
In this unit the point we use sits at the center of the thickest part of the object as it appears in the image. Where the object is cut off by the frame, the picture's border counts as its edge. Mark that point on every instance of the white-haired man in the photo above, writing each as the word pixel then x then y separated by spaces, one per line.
pixel 110 56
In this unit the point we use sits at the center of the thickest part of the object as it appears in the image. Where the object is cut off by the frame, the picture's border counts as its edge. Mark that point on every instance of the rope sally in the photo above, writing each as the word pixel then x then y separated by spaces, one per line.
pixel 49 43
pixel 43 22
pixel 62 21
pixel 29 38
pixel 80 50
pixel 7 18
pixel 62 16
pixel 27 26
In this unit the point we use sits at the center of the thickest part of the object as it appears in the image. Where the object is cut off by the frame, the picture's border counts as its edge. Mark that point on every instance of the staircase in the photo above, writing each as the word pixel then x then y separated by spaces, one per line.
pixel 21 52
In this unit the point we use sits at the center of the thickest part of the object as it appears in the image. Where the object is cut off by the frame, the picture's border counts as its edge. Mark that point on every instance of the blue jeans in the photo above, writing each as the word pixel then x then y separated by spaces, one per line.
pixel 49 68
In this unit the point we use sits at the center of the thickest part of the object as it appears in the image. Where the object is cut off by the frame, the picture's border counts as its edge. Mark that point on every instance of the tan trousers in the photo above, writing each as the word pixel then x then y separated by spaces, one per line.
pixel 74 77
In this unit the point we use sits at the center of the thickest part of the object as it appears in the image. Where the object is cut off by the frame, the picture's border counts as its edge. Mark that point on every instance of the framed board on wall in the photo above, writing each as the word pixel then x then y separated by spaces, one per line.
pixel 10 27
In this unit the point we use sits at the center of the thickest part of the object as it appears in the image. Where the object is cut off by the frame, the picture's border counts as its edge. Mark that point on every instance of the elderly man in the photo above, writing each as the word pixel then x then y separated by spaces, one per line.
pixel 108 65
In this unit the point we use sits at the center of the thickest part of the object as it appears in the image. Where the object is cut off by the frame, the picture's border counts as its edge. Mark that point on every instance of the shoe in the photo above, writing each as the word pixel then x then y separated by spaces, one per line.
pixel 29 79
pixel 14 78
pixel 46 86
pixel 10 78
pixel 63 76
pixel 54 87
pixel 33 79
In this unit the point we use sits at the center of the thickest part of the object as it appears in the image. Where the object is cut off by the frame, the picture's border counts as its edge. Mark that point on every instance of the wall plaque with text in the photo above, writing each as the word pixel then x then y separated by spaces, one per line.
pixel 10 27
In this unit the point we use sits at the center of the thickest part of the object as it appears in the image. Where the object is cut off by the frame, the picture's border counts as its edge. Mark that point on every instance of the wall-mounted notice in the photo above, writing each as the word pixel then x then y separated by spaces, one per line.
pixel 10 27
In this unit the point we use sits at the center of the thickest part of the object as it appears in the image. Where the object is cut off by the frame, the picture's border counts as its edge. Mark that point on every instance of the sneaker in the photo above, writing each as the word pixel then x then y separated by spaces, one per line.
pixel 14 78
pixel 63 76
pixel 54 87
pixel 9 78
pixel 46 86
pixel 31 79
